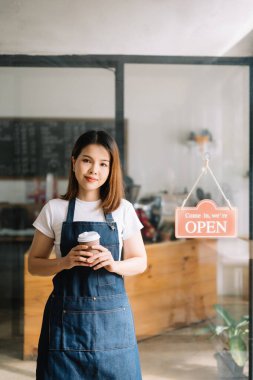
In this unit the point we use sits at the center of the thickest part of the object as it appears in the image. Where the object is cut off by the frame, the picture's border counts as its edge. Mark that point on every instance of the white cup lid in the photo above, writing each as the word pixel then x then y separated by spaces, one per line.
pixel 88 236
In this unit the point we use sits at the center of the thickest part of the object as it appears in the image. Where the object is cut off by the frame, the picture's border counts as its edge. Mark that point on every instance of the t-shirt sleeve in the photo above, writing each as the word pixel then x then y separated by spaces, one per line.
pixel 43 222
pixel 132 223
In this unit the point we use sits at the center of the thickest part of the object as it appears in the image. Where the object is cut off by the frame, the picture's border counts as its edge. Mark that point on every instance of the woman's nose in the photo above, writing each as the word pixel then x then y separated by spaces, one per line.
pixel 94 169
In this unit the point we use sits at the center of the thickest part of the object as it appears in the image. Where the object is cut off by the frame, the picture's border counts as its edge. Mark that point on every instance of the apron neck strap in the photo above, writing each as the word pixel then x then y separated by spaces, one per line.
pixel 71 209
pixel 109 220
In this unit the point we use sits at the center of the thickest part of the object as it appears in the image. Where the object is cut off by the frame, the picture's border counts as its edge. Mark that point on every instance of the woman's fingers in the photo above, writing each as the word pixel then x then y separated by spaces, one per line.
pixel 80 259
pixel 99 247
pixel 96 257
pixel 102 264
pixel 78 256
pixel 101 259
pixel 80 247
pixel 83 254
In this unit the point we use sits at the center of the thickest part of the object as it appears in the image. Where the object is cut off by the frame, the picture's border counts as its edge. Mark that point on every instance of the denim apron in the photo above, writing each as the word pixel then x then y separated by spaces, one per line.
pixel 87 330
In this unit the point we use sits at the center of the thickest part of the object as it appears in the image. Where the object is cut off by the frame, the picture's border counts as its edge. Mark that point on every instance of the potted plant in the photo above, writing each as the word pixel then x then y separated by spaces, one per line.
pixel 233 353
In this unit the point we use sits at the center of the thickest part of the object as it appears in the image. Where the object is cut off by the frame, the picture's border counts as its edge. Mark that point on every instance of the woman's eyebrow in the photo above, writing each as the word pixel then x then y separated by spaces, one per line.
pixel 102 159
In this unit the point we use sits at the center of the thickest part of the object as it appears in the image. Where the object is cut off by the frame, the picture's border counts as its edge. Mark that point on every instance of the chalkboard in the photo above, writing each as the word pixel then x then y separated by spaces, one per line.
pixel 35 147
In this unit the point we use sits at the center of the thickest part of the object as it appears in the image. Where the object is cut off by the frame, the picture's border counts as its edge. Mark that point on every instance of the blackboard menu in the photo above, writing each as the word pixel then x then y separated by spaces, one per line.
pixel 35 147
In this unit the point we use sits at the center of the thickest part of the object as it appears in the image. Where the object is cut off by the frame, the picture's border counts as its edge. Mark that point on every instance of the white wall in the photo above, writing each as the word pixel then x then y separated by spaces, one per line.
pixel 57 92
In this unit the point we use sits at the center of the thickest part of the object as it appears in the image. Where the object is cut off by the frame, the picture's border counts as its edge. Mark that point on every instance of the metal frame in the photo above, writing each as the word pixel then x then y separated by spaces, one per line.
pixel 117 62
pixel 251 223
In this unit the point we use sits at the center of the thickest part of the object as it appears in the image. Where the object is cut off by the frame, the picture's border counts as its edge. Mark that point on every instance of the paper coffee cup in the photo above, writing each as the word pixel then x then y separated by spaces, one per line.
pixel 89 238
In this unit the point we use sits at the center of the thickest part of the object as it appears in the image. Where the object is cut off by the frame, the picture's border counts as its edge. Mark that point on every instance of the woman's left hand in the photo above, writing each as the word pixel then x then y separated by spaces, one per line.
pixel 102 259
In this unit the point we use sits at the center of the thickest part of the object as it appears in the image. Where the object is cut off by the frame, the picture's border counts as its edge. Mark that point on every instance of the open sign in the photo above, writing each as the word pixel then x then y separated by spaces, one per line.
pixel 206 220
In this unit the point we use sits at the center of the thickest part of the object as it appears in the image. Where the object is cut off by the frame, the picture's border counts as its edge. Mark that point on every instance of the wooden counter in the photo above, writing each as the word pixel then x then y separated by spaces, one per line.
pixel 177 289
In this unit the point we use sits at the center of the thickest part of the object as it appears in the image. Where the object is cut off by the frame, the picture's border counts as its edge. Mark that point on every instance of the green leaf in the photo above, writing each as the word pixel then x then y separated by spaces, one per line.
pixel 227 318
pixel 242 324
pixel 238 350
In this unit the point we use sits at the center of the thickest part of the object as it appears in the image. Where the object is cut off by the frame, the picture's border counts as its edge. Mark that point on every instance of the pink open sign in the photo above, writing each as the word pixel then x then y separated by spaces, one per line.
pixel 206 220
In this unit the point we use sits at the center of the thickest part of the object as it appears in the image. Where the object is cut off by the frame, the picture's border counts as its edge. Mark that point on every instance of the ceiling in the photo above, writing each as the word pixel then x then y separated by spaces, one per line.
pixel 141 27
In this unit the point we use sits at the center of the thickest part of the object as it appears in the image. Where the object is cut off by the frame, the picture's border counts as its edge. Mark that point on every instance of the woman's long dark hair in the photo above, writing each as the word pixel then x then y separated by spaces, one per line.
pixel 111 192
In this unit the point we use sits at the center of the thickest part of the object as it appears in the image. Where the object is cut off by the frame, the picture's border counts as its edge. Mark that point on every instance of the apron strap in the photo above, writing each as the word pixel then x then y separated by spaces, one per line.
pixel 71 210
pixel 109 220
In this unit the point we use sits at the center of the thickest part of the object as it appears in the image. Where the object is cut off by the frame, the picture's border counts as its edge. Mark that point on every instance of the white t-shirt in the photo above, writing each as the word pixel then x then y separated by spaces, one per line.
pixel 54 213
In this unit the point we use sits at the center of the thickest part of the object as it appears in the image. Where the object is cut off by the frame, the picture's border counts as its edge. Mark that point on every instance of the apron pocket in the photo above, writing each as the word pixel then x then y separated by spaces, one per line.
pixel 78 330
pixel 98 330
pixel 114 329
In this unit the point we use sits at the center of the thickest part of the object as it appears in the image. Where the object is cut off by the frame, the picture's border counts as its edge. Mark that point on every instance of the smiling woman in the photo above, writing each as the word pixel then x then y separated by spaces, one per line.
pixel 88 311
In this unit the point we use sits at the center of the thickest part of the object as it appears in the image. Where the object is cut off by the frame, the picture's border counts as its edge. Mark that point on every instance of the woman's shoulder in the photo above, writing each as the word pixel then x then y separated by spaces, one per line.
pixel 57 204
pixel 123 208
pixel 125 204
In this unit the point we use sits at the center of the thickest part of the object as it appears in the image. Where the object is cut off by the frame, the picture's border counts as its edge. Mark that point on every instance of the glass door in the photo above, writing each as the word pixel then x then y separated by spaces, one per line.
pixel 192 302
pixel 42 112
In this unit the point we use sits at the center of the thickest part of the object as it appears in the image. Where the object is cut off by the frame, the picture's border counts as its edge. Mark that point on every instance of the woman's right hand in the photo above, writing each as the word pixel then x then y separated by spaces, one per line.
pixel 77 256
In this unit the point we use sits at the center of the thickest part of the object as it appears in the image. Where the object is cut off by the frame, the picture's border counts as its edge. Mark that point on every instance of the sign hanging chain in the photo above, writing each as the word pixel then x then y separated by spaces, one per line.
pixel 204 170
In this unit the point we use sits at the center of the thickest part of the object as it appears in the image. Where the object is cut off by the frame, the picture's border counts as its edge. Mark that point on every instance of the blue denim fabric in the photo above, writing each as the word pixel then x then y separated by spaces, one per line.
pixel 87 330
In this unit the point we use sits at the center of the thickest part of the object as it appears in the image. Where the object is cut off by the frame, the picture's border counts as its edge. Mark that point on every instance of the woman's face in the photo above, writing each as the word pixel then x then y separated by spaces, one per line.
pixel 92 168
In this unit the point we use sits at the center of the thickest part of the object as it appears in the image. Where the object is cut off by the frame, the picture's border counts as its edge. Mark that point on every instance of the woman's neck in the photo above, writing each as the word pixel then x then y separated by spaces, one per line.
pixel 88 196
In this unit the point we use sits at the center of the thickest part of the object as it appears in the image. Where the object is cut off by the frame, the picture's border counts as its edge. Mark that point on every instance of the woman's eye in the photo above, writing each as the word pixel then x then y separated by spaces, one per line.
pixel 86 160
pixel 105 165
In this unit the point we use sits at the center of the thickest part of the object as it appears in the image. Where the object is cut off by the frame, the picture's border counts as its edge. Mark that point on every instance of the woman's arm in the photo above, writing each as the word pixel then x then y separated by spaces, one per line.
pixel 38 260
pixel 135 257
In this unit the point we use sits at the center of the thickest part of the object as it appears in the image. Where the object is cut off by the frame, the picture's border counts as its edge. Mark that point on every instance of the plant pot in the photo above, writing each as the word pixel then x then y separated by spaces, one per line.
pixel 227 367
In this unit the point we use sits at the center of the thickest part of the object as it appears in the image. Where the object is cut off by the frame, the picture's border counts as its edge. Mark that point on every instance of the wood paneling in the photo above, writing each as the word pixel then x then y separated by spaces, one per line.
pixel 36 292
pixel 177 289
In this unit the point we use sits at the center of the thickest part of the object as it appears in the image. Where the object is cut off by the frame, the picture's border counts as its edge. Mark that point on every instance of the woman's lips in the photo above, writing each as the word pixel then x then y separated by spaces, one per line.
pixel 90 179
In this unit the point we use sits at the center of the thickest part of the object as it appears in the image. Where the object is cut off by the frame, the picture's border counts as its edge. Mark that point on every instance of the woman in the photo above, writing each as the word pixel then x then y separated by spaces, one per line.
pixel 87 330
